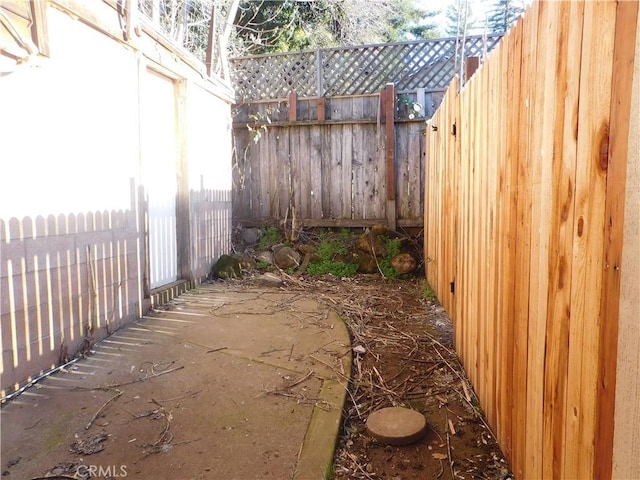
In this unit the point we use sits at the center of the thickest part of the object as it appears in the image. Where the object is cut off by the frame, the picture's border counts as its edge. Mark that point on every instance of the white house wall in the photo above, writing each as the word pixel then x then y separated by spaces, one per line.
pixel 209 178
pixel 73 199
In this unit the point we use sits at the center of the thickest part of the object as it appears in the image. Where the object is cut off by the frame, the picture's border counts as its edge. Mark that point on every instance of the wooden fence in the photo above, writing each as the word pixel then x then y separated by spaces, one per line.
pixel 362 166
pixel 347 148
pixel 525 178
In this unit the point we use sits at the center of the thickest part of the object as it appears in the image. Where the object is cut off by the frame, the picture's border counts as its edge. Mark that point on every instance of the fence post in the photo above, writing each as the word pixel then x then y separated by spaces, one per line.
pixel 321 109
pixel 319 72
pixel 390 152
pixel 293 106
pixel 471 64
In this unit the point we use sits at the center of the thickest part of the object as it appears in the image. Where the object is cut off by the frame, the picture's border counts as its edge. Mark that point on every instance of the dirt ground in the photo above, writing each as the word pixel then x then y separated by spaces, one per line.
pixel 408 360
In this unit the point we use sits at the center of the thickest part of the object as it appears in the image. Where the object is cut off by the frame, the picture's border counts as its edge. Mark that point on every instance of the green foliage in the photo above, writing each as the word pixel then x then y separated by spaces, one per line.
pixel 270 236
pixel 328 474
pixel 457 17
pixel 339 269
pixel 264 266
pixel 427 292
pixel 412 108
pixel 328 250
pixel 408 22
pixel 503 14
pixel 269 26
pixel 393 249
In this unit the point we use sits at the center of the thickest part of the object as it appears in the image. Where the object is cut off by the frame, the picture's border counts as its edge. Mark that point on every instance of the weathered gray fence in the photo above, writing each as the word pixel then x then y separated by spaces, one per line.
pixel 349 151
pixel 333 173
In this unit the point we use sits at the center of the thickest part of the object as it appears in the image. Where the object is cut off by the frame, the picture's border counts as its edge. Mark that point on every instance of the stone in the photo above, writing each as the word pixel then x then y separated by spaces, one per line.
pixel 246 262
pixel 371 244
pixel 305 248
pixel 286 257
pixel 265 257
pixel 396 425
pixel 251 236
pixel 366 263
pixel 277 246
pixel 404 263
pixel 227 266
pixel 269 280
pixel 380 229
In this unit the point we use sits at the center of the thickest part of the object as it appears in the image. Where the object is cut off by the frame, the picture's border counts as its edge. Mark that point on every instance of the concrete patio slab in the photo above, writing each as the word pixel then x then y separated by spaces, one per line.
pixel 224 382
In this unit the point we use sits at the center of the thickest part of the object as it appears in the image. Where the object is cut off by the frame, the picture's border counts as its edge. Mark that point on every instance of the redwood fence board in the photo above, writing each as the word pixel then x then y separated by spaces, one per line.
pixel 522 217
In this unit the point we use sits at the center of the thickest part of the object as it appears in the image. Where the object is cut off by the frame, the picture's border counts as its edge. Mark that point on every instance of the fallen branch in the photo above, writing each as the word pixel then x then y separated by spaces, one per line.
pixel 453 475
pixel 102 408
pixel 115 386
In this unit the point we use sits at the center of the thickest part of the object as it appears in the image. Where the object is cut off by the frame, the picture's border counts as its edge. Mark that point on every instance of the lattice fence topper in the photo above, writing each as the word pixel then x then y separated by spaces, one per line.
pixel 428 64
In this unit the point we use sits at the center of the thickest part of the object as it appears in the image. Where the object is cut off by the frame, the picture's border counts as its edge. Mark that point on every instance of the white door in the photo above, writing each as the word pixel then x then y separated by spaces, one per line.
pixel 159 171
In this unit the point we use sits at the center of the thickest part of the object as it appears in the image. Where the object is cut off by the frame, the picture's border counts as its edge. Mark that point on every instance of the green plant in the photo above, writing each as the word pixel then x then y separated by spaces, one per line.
pixel 260 122
pixel 392 249
pixel 328 472
pixel 270 236
pixel 339 269
pixel 328 250
pixel 264 266
pixel 427 291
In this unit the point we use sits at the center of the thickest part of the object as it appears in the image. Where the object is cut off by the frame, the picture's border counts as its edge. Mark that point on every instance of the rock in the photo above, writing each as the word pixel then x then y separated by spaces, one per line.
pixel 265 257
pixel 371 244
pixel 246 262
pixel 269 280
pixel 404 263
pixel 277 246
pixel 305 248
pixel 359 349
pixel 396 425
pixel 380 229
pixel 227 266
pixel 286 257
pixel 251 236
pixel 366 263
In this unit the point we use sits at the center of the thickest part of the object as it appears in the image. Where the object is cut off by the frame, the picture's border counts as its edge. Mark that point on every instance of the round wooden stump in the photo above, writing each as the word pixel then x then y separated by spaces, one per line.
pixel 396 425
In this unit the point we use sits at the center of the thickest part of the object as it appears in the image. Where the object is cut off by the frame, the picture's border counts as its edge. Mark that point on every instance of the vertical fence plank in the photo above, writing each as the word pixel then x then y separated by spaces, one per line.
pixel 561 220
pixel 508 303
pixel 316 191
pixel 541 157
pixel 522 441
pixel 586 291
pixel 347 172
pixel 620 117
pixel 275 172
pixel 304 171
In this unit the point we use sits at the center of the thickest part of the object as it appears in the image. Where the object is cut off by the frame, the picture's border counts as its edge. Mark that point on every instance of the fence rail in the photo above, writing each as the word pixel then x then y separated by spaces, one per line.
pixel 525 182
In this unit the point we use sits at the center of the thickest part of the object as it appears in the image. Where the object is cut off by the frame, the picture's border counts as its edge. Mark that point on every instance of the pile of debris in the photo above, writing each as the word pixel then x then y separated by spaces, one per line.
pixel 342 253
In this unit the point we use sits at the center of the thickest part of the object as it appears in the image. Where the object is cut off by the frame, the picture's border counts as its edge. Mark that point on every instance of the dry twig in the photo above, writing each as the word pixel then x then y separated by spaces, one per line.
pixel 102 408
